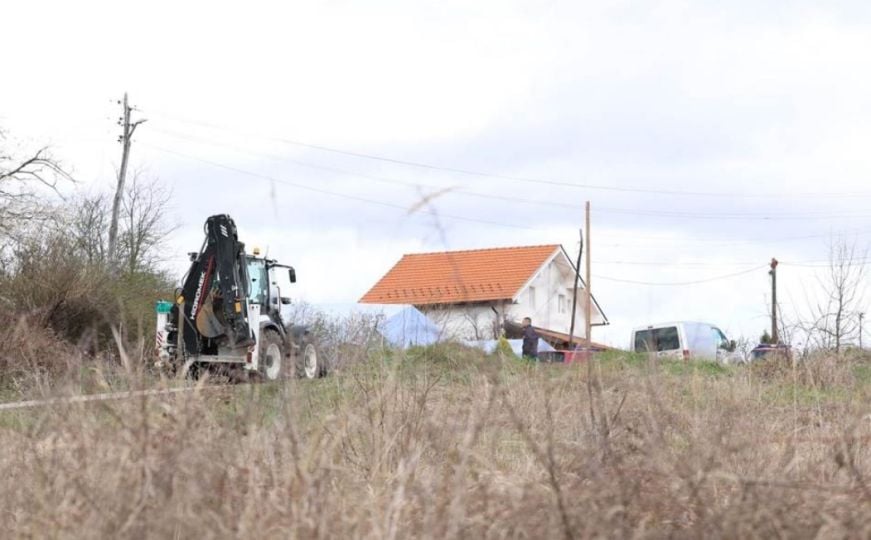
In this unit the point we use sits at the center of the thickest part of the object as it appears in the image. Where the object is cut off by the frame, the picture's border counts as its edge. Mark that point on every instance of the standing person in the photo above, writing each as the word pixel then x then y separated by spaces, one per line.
pixel 530 340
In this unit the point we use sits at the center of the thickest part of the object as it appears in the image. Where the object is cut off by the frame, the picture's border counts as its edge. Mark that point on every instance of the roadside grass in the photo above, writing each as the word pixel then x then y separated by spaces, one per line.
pixel 862 371
pixel 787 393
pixel 446 442
pixel 706 368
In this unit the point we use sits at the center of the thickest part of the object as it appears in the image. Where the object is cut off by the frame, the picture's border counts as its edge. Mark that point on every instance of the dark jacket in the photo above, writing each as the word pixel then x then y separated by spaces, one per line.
pixel 530 342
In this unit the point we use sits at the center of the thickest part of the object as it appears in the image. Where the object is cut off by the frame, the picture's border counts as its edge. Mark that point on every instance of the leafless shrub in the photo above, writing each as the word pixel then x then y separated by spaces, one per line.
pixel 419 447
pixel 342 339
pixel 833 319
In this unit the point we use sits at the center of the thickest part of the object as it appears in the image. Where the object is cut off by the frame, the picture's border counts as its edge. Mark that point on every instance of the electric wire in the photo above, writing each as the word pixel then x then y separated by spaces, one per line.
pixel 642 241
pixel 650 241
pixel 808 263
pixel 439 214
pixel 680 283
pixel 543 181
pixel 415 208
pixel 477 220
pixel 742 216
pixel 860 263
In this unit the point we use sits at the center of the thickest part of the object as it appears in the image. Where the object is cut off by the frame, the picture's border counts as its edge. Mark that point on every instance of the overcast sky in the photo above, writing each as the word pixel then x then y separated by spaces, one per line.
pixel 708 136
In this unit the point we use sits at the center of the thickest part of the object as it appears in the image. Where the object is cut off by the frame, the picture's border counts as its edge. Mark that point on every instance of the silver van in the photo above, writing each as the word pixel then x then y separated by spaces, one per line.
pixel 685 339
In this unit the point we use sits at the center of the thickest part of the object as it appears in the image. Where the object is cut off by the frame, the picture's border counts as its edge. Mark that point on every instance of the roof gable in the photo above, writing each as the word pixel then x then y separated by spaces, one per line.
pixel 452 277
pixel 561 254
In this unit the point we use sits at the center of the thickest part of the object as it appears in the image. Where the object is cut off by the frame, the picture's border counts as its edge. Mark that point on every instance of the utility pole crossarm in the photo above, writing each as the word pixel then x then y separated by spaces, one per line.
pixel 136 124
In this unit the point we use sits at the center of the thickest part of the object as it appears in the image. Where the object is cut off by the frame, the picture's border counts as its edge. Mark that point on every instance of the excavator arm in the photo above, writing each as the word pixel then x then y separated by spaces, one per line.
pixel 214 294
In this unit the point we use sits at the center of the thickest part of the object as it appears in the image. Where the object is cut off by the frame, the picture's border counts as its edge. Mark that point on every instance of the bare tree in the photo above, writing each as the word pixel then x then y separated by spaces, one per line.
pixel 89 227
pixel 744 345
pixel 25 179
pixel 145 223
pixel 835 316
pixel 480 329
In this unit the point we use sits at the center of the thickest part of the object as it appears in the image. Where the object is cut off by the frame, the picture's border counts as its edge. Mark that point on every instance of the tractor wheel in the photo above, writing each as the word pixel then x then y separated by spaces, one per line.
pixel 271 355
pixel 311 364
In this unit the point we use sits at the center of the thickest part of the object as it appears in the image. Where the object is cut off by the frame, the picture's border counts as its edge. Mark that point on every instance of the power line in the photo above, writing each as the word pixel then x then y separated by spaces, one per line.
pixel 809 264
pixel 463 218
pixel 544 181
pixel 645 239
pixel 733 215
pixel 551 204
pixel 676 263
pixel 716 278
pixel 721 243
pixel 406 209
pixel 681 283
pixel 828 264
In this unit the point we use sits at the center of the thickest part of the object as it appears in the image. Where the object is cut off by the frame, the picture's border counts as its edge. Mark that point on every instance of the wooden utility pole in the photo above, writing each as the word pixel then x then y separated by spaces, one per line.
pixel 775 339
pixel 128 128
pixel 588 296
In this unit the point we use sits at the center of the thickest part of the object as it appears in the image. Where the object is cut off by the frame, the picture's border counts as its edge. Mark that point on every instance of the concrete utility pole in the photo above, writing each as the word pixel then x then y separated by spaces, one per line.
pixel 773 273
pixel 588 306
pixel 128 128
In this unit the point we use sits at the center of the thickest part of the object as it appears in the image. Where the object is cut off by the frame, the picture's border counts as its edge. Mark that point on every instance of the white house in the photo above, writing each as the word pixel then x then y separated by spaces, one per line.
pixel 479 294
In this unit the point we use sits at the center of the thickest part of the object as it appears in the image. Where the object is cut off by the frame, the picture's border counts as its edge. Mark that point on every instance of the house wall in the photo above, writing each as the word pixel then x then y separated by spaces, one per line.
pixel 552 281
pixel 467 321
pixel 478 321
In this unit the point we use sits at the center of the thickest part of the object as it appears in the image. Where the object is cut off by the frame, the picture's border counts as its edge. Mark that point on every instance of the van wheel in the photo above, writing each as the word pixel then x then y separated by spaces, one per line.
pixel 271 355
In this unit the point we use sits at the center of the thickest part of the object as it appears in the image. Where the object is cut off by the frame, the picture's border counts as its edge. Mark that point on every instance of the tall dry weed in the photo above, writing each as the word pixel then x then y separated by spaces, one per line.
pixel 419 446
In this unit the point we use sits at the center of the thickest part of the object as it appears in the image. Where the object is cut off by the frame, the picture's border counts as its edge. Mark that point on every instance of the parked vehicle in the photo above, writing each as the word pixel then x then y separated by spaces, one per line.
pixel 685 339
pixel 771 350
pixel 228 313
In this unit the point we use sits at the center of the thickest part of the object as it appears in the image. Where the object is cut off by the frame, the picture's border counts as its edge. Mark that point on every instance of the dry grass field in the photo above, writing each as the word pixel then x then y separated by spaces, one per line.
pixel 447 443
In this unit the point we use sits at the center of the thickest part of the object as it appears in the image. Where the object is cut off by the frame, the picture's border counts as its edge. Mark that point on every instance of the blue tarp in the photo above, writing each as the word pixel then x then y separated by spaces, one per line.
pixel 401 325
pixel 409 327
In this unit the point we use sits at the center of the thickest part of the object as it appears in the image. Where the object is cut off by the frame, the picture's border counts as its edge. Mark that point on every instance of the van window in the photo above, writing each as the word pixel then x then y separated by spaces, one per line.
pixel 657 339
pixel 720 339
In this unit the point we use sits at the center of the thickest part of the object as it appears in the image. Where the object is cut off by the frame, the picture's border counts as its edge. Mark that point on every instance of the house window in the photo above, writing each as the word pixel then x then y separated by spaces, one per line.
pixel 562 303
pixel 532 297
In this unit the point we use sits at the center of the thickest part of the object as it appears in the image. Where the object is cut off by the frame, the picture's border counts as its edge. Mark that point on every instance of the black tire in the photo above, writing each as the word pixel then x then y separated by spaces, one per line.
pixel 310 363
pixel 196 371
pixel 272 355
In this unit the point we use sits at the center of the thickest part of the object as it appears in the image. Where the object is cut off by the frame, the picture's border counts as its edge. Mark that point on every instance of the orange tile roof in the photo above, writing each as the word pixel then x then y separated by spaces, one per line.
pixel 451 277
